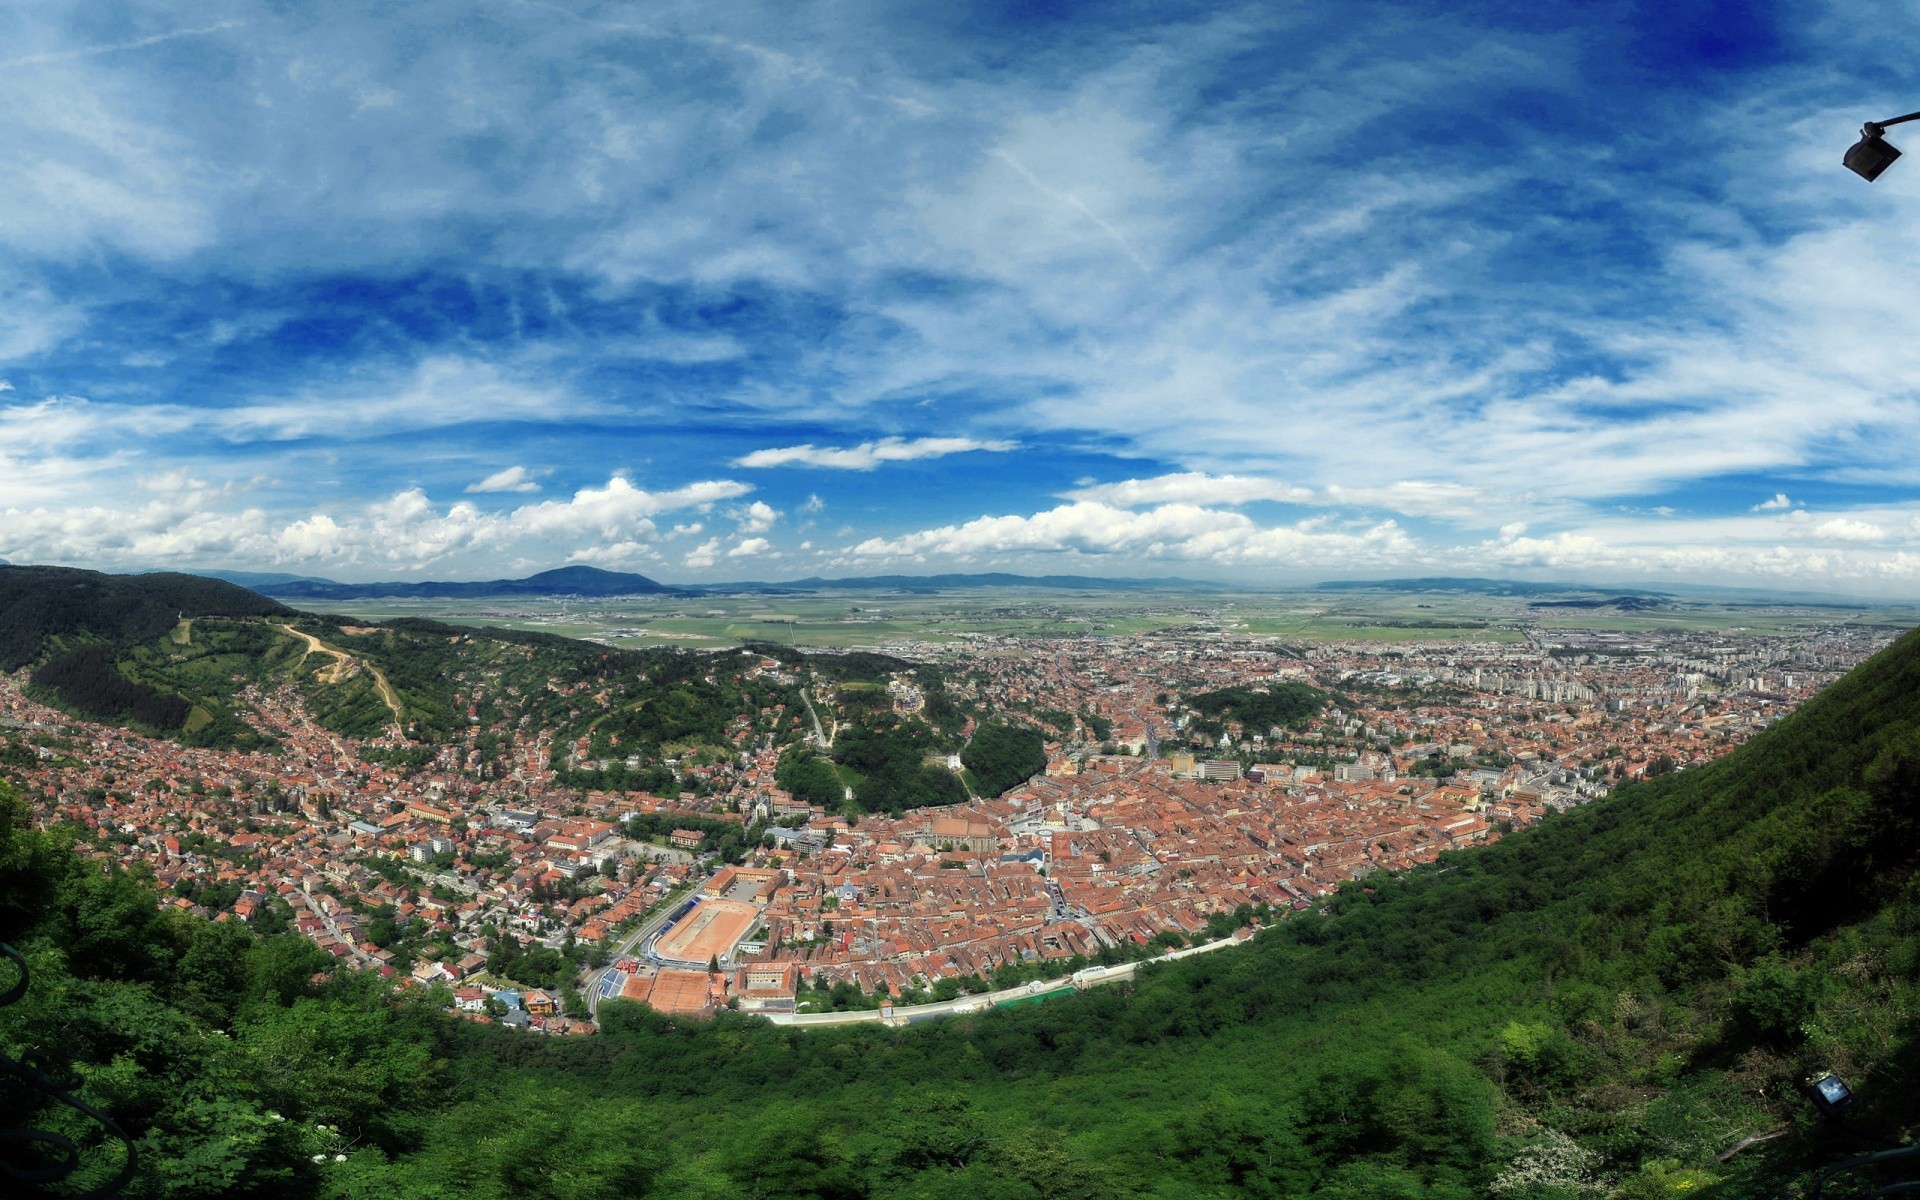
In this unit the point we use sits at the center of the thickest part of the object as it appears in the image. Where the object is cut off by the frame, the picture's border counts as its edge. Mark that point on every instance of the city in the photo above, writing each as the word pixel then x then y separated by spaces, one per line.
pixel 1155 825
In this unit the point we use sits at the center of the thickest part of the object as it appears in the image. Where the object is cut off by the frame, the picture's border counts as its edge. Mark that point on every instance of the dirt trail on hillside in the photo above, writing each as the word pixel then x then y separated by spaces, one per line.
pixel 343 667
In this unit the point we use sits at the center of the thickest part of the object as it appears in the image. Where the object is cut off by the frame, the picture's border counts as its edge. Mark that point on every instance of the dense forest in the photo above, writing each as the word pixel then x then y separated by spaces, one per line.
pixel 1624 1001
pixel 87 681
pixel 101 646
pixel 888 756
pixel 67 606
pixel 1002 755
pixel 1284 705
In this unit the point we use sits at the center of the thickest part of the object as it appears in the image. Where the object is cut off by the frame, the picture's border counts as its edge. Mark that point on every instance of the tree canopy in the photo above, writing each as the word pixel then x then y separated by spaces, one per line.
pixel 1004 755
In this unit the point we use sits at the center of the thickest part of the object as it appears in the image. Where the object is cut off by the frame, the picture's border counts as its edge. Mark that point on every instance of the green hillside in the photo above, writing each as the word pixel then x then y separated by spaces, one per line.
pixel 167 655
pixel 1603 1005
pixel 46 607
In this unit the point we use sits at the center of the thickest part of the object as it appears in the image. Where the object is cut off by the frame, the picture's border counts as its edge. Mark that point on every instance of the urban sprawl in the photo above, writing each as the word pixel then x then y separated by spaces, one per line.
pixel 1142 836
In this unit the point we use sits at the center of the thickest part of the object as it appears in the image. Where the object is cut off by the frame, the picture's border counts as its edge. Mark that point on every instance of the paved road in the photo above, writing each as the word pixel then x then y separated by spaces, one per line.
pixel 819 735
pixel 907 1014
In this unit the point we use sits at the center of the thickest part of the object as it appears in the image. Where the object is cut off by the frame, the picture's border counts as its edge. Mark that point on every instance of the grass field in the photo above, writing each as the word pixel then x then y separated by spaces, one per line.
pixel 846 620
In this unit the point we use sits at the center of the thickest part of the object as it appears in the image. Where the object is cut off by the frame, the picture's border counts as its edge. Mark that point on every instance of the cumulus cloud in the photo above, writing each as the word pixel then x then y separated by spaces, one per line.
pixel 750 547
pixel 703 555
pixel 757 517
pixel 189 521
pixel 868 455
pixel 611 510
pixel 1845 529
pixel 512 479
pixel 1852 550
pixel 1180 531
pixel 313 539
pixel 1779 501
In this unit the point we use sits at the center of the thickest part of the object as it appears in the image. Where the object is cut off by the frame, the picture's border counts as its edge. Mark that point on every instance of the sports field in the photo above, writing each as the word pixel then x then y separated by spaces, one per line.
pixel 679 992
pixel 708 932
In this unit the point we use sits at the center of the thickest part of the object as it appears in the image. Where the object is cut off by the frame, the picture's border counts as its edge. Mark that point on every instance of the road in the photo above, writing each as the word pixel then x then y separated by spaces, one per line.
pixel 907 1014
pixel 645 930
pixel 819 736
pixel 340 661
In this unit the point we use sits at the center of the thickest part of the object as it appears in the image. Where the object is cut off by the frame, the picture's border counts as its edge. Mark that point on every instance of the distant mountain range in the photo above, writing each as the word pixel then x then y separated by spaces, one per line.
pixel 1475 586
pixel 592 581
pixel 989 579
pixel 1601 594
pixel 562 581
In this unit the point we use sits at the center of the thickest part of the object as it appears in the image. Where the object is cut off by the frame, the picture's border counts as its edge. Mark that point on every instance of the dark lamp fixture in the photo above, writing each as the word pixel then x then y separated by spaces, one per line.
pixel 1873 154
pixel 1829 1094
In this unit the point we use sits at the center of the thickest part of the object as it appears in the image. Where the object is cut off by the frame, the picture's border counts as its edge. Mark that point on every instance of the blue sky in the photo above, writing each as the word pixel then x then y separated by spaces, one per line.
pixel 1271 292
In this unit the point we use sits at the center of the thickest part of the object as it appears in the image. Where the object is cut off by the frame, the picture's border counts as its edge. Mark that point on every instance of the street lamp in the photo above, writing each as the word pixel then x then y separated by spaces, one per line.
pixel 1873 154
pixel 1829 1094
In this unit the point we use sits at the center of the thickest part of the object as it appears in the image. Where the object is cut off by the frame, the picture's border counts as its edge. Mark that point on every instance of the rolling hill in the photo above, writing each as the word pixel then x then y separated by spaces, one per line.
pixel 1473 586
pixel 40 606
pixel 167 655
pixel 562 581
pixel 594 582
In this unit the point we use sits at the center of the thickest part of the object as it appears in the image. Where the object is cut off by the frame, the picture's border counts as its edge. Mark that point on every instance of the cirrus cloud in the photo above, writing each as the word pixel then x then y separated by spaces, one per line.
pixel 868 455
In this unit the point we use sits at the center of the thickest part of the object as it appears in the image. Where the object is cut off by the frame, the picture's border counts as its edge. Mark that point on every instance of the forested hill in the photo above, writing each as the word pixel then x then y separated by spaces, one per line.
pixel 1604 1005
pixel 170 656
pixel 561 581
pixel 41 604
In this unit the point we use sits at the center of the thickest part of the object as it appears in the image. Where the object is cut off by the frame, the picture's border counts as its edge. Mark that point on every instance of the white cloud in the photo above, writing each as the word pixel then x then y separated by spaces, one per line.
pixel 757 517
pixel 703 555
pixel 191 522
pixel 868 455
pixel 1192 487
pixel 616 555
pixel 612 512
pixel 1454 501
pixel 1115 276
pixel 1413 497
pixel 438 392
pixel 512 479
pixel 315 538
pixel 750 547
pixel 814 504
pixel 1179 531
pixel 1844 529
